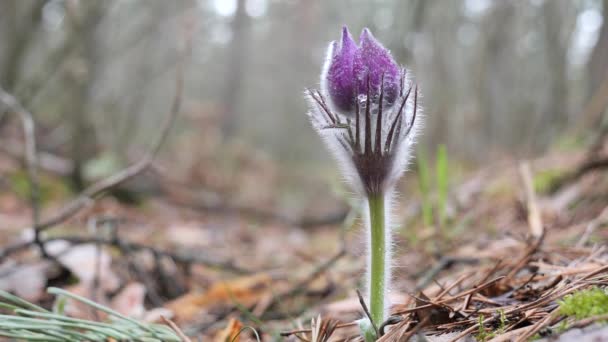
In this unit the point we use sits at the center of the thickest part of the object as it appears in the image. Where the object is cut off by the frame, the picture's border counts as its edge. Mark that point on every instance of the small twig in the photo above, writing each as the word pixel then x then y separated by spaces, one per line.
pixel 175 328
pixel 367 313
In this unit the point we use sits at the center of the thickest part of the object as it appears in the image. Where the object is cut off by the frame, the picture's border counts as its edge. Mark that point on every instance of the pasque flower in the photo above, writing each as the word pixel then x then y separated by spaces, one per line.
pixel 367 112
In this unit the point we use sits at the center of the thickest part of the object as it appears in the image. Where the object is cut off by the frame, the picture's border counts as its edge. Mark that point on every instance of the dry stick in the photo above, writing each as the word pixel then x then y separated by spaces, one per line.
pixel 31 160
pixel 99 187
pixel 175 328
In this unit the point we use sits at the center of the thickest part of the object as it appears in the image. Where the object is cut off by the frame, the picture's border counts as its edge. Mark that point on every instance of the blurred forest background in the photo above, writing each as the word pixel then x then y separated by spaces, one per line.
pixel 500 78
pixel 243 180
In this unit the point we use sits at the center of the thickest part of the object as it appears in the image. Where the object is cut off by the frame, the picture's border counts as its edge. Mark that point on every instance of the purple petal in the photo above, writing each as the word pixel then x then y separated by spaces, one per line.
pixel 374 60
pixel 340 77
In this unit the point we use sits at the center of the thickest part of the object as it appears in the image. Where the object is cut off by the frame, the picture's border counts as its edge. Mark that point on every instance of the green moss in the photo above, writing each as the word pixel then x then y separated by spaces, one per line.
pixel 544 180
pixel 568 143
pixel 485 334
pixel 50 188
pixel 584 304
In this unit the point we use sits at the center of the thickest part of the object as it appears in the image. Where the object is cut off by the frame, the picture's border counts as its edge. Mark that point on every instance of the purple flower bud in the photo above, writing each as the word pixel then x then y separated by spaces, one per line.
pixel 340 78
pixel 374 61
pixel 366 111
pixel 351 65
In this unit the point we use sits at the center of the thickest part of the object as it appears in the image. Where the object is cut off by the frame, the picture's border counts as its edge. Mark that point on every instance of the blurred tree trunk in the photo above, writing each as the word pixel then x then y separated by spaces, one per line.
pixel 82 20
pixel 598 63
pixel 21 30
pixel 494 54
pixel 597 91
pixel 556 44
pixel 237 55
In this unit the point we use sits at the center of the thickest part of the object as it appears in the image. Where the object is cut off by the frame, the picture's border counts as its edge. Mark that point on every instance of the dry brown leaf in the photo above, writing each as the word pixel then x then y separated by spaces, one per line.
pixel 244 290
pixel 231 333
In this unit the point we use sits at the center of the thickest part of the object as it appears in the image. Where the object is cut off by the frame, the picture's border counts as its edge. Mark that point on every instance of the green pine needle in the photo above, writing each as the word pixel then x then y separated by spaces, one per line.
pixel 28 322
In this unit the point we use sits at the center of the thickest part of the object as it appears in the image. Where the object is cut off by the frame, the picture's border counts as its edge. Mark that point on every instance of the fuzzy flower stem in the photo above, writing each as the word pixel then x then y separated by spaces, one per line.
pixel 378 250
pixel 366 113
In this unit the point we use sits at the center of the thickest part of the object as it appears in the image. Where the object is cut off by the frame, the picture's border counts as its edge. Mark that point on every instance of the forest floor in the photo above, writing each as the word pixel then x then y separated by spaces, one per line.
pixel 516 258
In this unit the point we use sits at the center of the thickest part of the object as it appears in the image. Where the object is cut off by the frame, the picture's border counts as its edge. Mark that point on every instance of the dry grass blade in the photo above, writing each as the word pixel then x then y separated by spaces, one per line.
pixel 534 217
pixel 322 329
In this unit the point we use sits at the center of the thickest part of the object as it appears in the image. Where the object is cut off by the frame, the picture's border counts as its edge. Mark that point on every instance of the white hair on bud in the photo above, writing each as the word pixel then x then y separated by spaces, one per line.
pixel 329 56
pixel 404 144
